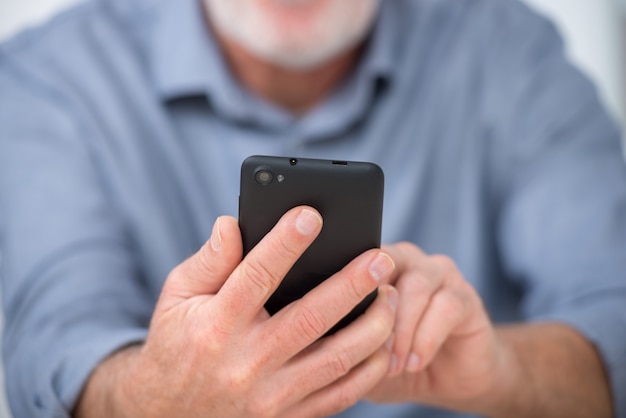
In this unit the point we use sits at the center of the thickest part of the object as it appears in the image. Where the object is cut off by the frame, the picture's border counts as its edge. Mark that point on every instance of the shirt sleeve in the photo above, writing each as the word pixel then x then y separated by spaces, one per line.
pixel 563 210
pixel 72 292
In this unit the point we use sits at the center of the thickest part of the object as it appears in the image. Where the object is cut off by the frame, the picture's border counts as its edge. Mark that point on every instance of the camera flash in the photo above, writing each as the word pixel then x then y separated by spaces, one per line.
pixel 280 178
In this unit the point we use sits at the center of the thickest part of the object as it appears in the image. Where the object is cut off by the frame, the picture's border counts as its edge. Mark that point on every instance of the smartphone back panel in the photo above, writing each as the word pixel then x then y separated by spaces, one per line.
pixel 348 195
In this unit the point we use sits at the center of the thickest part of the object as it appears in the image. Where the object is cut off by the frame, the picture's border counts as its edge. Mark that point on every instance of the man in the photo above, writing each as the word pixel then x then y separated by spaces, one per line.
pixel 123 124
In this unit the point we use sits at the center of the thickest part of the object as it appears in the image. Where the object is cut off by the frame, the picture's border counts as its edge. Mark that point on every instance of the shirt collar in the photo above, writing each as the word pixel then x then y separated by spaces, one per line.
pixel 350 103
pixel 185 61
pixel 183 57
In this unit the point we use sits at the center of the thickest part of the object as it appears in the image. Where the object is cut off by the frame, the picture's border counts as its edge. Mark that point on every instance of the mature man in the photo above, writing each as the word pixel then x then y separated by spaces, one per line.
pixel 122 127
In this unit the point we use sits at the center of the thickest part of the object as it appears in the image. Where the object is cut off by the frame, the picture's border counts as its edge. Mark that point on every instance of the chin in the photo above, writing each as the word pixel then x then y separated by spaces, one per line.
pixel 285 19
pixel 296 33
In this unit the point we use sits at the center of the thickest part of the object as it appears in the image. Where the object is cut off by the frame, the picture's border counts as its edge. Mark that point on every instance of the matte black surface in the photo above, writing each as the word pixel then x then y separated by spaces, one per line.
pixel 349 196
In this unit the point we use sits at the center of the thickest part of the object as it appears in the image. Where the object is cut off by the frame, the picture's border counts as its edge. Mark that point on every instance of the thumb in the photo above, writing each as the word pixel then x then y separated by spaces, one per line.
pixel 205 272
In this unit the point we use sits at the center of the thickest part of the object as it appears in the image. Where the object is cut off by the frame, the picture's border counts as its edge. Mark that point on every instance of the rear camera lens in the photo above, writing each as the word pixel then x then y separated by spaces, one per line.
pixel 263 177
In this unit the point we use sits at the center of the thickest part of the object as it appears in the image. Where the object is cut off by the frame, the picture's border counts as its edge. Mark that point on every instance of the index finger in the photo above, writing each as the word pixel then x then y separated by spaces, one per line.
pixel 261 271
pixel 306 320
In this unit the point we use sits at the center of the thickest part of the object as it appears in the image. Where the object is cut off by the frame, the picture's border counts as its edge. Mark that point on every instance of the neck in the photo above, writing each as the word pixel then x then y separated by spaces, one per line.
pixel 294 90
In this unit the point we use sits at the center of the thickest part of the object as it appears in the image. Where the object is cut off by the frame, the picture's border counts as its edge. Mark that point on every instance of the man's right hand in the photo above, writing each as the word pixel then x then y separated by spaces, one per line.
pixel 214 351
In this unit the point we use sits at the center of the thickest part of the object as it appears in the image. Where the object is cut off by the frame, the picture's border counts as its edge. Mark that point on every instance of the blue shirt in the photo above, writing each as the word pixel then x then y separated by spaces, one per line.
pixel 122 133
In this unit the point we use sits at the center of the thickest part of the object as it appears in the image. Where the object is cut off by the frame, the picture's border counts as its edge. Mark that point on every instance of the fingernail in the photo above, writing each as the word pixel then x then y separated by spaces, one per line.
pixel 413 363
pixel 308 222
pixel 216 237
pixel 381 267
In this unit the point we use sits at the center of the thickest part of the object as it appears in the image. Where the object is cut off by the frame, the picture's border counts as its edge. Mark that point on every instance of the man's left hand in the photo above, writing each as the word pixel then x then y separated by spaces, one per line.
pixel 446 351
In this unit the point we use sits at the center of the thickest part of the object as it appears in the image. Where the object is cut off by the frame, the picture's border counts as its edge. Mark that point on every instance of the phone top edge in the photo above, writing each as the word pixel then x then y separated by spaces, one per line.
pixel 261 159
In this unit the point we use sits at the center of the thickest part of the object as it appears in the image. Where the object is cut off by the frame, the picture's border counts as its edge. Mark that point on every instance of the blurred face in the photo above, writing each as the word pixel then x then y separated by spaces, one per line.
pixel 297 34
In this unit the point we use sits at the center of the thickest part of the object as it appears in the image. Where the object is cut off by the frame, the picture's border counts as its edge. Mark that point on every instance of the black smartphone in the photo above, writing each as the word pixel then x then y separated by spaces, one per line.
pixel 348 195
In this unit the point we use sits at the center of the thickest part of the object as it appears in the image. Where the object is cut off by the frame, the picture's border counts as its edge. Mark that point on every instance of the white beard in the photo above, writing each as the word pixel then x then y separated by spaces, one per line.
pixel 296 34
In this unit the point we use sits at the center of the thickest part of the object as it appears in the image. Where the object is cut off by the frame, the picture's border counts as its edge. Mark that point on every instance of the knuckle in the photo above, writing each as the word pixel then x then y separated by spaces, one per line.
pixel 340 363
pixel 465 299
pixel 450 303
pixel 381 327
pixel 407 246
pixel 347 396
pixel 178 275
pixel 381 324
pixel 262 407
pixel 258 275
pixel 199 264
pixel 415 253
pixel 310 324
pixel 204 261
pixel 287 248
pixel 238 380
pixel 445 262
pixel 352 290
pixel 419 284
pixel 213 339
pixel 466 290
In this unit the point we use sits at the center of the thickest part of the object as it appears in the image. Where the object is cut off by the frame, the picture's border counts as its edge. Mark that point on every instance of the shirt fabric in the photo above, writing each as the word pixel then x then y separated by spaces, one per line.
pixel 122 133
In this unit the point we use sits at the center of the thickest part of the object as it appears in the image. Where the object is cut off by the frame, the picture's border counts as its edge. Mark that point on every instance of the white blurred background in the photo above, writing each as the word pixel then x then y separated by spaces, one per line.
pixel 595 31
